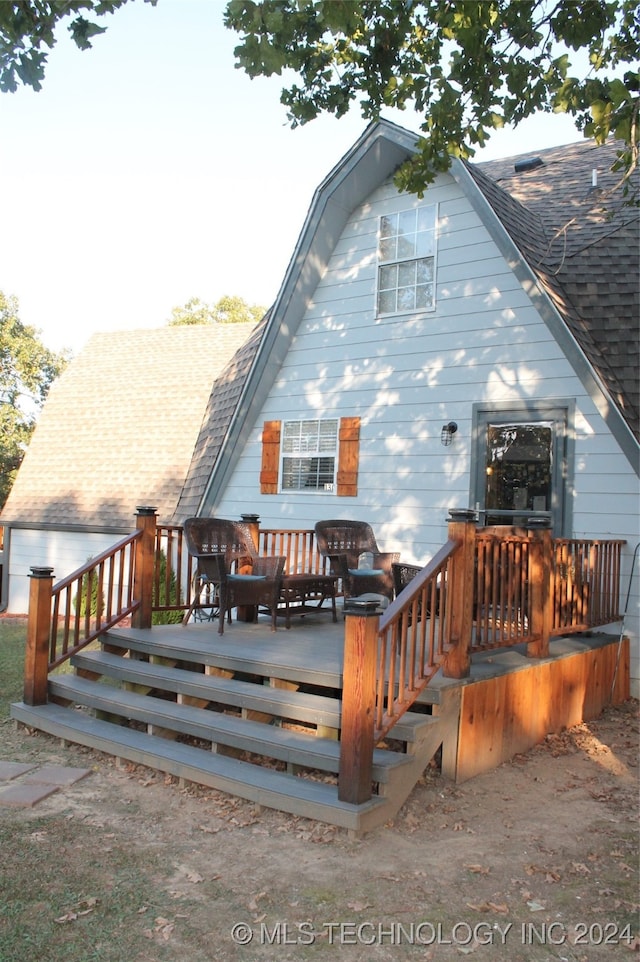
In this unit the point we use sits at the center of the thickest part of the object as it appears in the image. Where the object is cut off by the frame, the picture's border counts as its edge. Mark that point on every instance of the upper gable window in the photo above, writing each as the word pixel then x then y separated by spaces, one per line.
pixel 309 455
pixel 407 261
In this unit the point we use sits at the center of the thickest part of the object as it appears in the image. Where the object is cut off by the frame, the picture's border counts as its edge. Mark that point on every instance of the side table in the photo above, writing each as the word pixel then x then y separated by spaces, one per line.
pixel 306 592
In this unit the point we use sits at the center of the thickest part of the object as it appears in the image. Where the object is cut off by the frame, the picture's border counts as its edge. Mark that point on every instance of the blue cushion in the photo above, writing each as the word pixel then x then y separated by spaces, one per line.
pixel 247 577
pixel 366 571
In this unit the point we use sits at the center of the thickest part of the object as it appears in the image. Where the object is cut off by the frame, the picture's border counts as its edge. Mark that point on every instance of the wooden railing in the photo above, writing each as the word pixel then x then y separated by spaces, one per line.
pixel 298 546
pixel 68 616
pixel 484 589
pixel 412 639
pixel 91 600
pixel 586 584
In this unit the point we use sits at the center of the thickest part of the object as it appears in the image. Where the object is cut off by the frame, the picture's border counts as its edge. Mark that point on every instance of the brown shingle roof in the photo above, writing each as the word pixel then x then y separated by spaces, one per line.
pixel 119 427
pixel 583 244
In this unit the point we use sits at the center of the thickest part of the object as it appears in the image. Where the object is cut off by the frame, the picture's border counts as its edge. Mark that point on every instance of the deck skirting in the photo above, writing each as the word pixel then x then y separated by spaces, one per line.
pixel 517 706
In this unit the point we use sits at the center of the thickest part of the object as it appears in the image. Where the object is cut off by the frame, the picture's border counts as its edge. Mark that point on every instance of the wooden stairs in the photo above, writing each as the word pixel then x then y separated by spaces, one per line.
pixel 258 730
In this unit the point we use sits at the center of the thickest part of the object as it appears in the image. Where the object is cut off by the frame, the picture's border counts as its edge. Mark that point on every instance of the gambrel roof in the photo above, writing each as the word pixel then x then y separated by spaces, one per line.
pixel 119 427
pixel 572 245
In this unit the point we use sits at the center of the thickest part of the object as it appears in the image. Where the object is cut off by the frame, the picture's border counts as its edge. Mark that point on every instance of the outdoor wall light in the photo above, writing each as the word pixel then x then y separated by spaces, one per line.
pixel 448 430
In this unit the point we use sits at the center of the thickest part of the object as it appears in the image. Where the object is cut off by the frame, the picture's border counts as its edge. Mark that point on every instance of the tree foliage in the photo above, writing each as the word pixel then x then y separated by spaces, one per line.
pixel 28 33
pixel 467 67
pixel 230 309
pixel 27 369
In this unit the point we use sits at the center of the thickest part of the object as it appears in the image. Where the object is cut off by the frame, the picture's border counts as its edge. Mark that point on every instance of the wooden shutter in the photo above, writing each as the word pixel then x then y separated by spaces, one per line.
pixel 348 457
pixel 270 457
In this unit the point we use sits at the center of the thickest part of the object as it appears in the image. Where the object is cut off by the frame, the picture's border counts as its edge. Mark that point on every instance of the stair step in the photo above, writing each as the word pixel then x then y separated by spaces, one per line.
pixel 202 645
pixel 264 786
pixel 295 748
pixel 280 702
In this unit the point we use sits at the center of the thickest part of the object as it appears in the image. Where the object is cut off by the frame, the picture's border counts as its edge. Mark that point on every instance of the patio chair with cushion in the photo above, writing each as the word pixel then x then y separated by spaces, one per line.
pixel 353 555
pixel 228 569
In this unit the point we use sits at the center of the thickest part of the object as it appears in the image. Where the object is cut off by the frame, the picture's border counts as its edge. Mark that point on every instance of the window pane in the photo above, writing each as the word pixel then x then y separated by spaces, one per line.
pixel 291 436
pixel 406 274
pixel 424 271
pixel 388 277
pixel 425 243
pixel 427 217
pixel 388 249
pixel 406 298
pixel 388 225
pixel 328 435
pixel 407 222
pixel 519 467
pixel 424 295
pixel 387 302
pixel 406 247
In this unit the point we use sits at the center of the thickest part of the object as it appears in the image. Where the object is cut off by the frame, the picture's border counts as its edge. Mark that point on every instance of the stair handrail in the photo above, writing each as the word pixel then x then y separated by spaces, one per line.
pixel 411 647
pixel 66 617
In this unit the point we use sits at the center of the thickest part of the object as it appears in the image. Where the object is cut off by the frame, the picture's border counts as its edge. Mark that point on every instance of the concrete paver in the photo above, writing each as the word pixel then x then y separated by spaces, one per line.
pixel 25 796
pixel 9 770
pixel 30 784
pixel 59 775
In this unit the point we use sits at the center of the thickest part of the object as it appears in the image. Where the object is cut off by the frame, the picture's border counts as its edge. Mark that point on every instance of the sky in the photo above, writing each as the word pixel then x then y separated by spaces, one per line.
pixel 149 171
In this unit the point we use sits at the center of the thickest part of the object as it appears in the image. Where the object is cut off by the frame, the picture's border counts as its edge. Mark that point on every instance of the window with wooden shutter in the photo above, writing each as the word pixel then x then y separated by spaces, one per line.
pixel 311 455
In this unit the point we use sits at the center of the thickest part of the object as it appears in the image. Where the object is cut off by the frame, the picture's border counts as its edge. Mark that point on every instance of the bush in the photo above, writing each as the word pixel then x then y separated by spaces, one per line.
pixel 166 617
pixel 97 597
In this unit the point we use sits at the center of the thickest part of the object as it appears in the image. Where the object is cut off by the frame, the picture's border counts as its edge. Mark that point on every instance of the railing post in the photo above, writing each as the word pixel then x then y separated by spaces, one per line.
pixel 145 558
pixel 252 522
pixel 358 701
pixel 36 662
pixel 541 573
pixel 457 660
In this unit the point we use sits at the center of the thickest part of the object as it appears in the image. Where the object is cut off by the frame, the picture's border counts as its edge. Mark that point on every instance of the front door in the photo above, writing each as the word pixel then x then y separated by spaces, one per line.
pixel 522 465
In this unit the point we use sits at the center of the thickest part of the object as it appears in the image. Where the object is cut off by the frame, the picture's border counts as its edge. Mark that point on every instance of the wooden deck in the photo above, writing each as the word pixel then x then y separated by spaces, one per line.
pixel 258 713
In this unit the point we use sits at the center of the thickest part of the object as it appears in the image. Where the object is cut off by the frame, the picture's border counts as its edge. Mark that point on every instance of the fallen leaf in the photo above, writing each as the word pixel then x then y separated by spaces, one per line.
pixel 499 907
pixel 69 917
pixel 478 869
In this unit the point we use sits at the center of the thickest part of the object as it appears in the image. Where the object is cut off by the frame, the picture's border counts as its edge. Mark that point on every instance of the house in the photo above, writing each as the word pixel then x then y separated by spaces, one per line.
pixel 117 430
pixel 475 348
pixel 503 303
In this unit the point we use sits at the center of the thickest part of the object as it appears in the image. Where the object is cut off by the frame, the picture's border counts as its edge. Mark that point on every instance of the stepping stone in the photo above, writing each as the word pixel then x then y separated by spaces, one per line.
pixel 25 796
pixel 57 775
pixel 9 770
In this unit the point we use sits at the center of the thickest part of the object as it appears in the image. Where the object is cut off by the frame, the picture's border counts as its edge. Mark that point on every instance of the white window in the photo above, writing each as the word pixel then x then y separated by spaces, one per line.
pixel 407 261
pixel 309 455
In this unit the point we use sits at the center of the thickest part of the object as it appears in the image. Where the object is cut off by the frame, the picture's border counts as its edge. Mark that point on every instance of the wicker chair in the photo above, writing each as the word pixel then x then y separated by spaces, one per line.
pixel 229 569
pixel 344 543
pixel 403 575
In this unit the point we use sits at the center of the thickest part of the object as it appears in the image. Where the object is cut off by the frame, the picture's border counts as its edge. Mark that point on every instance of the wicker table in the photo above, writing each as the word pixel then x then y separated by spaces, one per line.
pixel 306 592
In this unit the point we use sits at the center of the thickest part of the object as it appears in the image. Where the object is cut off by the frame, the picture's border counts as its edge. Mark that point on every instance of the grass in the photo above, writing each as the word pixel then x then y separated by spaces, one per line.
pixel 68 899
pixel 13 637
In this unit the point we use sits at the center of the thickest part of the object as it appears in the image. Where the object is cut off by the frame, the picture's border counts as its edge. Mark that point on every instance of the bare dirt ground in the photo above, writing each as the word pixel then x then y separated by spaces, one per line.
pixel 537 860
